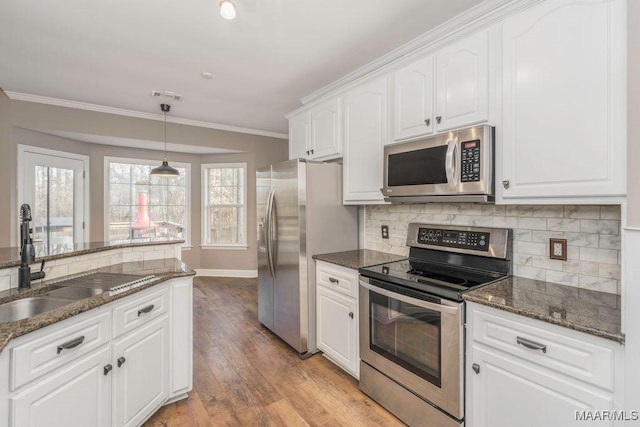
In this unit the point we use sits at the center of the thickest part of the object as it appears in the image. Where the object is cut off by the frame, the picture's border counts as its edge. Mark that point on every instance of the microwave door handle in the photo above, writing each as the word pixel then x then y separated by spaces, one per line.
pixel 451 162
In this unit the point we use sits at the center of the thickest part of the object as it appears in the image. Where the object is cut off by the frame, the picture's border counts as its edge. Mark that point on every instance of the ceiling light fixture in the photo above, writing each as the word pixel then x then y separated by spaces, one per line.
pixel 165 170
pixel 227 9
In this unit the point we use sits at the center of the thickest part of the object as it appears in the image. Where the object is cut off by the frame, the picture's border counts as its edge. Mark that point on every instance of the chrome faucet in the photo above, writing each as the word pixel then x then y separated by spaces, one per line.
pixel 27 251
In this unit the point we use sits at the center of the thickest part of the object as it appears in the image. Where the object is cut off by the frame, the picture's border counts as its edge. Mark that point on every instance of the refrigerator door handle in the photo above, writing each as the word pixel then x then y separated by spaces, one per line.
pixel 273 222
pixel 269 231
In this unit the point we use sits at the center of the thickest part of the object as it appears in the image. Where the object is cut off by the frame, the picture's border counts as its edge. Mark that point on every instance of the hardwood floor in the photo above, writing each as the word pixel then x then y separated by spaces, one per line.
pixel 244 375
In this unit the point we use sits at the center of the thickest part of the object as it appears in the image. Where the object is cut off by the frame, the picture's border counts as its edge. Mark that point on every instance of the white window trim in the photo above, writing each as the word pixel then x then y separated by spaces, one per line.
pixel 22 149
pixel 205 202
pixel 187 183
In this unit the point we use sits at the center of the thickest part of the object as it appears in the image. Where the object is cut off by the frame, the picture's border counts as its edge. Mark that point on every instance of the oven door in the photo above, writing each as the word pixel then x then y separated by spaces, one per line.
pixel 425 167
pixel 417 343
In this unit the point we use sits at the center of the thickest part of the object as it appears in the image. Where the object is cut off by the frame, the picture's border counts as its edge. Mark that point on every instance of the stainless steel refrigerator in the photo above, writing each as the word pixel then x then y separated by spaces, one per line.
pixel 300 214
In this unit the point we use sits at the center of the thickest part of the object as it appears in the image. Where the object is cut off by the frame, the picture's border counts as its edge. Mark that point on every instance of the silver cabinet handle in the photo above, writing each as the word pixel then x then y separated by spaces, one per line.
pixel 427 122
pixel 307 152
pixel 505 184
pixel 107 369
pixel 332 280
pixel 476 368
pixel 71 344
pixel 531 344
pixel 121 361
pixel 312 151
pixel 438 119
pixel 145 310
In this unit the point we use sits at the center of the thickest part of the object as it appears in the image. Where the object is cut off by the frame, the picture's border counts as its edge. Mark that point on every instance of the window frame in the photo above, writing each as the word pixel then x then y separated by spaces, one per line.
pixel 205 203
pixel 153 163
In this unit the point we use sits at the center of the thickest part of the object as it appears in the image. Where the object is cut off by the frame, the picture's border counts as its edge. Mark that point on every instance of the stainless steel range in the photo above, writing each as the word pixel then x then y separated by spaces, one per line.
pixel 412 320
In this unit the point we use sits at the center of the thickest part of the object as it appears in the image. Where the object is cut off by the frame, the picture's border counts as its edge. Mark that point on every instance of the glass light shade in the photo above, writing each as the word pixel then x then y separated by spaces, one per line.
pixel 164 170
pixel 227 9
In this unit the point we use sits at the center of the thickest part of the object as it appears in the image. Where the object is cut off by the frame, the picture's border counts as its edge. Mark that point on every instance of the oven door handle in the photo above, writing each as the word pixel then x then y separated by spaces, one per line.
pixel 415 301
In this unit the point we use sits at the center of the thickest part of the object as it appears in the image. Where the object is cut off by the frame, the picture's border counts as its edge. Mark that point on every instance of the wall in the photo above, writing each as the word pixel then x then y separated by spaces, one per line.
pixel 19 122
pixel 592 232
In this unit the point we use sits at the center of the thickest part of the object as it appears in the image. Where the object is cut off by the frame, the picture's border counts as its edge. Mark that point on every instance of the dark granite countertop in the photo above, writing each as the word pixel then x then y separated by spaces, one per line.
pixel 593 312
pixel 163 269
pixel 10 257
pixel 358 258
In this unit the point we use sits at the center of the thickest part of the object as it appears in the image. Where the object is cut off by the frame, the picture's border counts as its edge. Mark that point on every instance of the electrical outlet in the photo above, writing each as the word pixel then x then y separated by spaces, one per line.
pixel 558 249
pixel 385 231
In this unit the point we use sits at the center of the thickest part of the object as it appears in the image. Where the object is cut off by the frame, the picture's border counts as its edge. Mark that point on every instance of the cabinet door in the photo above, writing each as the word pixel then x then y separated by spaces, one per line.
pixel 413 114
pixel 365 133
pixel 326 132
pixel 181 336
pixel 563 88
pixel 338 328
pixel 78 395
pixel 141 381
pixel 462 83
pixel 299 135
pixel 508 391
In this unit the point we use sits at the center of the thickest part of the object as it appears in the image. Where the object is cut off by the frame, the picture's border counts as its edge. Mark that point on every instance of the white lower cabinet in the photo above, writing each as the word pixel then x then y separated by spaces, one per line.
pixel 337 315
pixel 111 366
pixel 76 395
pixel 529 373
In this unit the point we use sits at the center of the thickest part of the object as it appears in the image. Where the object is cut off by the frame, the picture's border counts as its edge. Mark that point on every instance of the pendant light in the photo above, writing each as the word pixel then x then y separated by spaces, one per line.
pixel 227 9
pixel 165 170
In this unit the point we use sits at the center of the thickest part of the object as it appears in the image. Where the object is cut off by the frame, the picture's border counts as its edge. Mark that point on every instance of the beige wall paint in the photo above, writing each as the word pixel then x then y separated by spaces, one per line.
pixel 633 113
pixel 18 120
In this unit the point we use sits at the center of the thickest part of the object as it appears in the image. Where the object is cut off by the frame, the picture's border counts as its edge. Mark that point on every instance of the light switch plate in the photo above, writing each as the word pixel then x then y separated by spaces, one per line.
pixel 385 231
pixel 558 249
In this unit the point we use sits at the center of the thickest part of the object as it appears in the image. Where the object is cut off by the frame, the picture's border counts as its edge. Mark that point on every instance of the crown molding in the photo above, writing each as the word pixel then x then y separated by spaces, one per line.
pixel 19 96
pixel 481 16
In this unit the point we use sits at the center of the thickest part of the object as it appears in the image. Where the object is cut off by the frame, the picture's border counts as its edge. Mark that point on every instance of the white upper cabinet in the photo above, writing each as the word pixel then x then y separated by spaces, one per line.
pixel 300 135
pixel 413 108
pixel 365 133
pixel 462 83
pixel 444 91
pixel 326 132
pixel 317 133
pixel 563 130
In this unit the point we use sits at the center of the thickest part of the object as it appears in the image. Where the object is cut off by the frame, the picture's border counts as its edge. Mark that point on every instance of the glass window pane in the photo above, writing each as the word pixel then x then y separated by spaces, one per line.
pixel 120 194
pixel 225 215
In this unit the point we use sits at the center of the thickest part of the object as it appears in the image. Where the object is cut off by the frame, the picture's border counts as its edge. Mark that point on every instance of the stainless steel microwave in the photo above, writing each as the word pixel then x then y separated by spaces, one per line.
pixel 455 166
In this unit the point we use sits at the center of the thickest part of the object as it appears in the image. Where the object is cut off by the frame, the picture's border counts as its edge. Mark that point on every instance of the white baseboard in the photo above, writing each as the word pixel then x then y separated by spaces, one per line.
pixel 212 272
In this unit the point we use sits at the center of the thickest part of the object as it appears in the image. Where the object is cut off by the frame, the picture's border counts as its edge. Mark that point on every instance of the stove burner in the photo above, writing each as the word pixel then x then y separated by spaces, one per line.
pixel 439 277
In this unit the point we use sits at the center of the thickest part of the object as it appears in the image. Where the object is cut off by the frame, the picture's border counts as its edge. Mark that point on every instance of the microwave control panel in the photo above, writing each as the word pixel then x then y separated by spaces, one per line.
pixel 475 240
pixel 470 161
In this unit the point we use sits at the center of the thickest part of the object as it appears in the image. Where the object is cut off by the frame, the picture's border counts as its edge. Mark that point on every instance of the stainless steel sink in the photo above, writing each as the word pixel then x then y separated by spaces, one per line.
pixel 27 307
pixel 73 293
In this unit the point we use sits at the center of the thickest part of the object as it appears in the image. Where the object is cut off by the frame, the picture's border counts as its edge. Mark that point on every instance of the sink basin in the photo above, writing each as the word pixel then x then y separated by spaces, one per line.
pixel 27 307
pixel 73 293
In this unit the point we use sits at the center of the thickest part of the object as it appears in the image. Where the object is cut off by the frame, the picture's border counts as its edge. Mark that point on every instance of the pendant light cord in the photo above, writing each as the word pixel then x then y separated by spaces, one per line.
pixel 165 135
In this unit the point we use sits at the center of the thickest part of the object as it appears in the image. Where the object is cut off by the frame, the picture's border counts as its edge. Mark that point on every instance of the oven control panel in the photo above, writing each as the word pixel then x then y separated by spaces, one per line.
pixel 475 240
pixel 470 161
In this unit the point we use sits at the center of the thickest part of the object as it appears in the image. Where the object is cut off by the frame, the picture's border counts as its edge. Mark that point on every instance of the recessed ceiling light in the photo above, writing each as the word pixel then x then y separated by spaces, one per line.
pixel 227 9
pixel 206 75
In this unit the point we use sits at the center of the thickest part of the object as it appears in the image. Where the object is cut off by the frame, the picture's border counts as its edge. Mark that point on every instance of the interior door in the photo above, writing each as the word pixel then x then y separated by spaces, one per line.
pixel 53 186
pixel 265 281
pixel 287 180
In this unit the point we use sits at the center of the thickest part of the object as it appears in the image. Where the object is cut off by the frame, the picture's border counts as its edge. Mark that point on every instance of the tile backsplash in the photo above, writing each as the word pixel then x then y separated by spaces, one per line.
pixel 592 233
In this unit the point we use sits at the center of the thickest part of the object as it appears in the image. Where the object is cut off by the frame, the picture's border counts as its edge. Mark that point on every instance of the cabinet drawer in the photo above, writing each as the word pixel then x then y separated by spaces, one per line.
pixel 565 351
pixel 56 345
pixel 340 279
pixel 140 310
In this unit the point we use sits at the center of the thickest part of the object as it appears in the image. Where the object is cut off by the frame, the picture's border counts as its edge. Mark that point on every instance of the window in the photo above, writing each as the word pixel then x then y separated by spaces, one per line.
pixel 139 206
pixel 225 211
pixel 53 183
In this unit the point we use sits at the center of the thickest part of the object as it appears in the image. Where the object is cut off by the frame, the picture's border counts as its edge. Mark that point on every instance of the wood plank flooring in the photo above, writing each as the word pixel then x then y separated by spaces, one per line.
pixel 246 376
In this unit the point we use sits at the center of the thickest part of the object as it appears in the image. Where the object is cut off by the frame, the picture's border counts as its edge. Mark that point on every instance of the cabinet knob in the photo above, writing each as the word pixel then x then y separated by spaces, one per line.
pixel 476 368
pixel 107 369
pixel 427 122
pixel 505 184
pixel 121 361
pixel 312 151
pixel 438 119
pixel 307 152
pixel 351 314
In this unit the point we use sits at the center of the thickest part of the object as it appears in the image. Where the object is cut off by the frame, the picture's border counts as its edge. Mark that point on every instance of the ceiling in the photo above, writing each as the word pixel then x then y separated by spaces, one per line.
pixel 114 53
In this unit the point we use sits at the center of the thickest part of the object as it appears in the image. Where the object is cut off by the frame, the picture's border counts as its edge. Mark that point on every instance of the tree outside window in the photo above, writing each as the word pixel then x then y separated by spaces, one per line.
pixel 224 196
